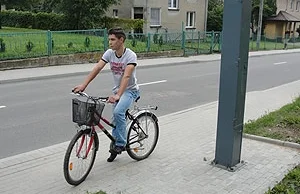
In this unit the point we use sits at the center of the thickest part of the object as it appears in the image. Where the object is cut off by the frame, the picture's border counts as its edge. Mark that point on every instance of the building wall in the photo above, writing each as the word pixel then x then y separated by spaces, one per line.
pixel 124 9
pixel 292 7
pixel 171 19
pixel 270 30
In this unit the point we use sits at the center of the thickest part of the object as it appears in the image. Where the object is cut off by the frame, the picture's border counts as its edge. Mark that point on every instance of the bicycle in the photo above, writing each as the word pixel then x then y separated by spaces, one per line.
pixel 142 135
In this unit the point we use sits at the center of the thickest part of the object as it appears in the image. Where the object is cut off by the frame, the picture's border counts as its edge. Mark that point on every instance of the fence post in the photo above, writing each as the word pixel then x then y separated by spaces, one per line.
pixel 183 42
pixel 212 40
pixel 220 41
pixel 198 47
pixel 293 41
pixel 148 42
pixel 49 43
pixel 105 37
pixel 264 36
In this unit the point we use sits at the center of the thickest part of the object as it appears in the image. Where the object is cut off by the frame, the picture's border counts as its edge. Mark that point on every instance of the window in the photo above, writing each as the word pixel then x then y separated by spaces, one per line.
pixel 190 19
pixel 298 5
pixel 292 4
pixel 173 4
pixel 115 13
pixel 155 17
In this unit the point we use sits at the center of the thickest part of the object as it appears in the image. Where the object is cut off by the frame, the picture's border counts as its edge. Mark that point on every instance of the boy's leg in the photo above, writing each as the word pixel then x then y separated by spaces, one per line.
pixel 119 117
pixel 119 133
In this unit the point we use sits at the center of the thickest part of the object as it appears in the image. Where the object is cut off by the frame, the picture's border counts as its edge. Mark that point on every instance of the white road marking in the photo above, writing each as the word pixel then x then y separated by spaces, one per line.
pixel 149 83
pixel 2 106
pixel 280 63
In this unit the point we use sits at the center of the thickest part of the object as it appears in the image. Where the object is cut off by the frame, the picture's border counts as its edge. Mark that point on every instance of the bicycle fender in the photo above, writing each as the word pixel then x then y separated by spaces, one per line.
pixel 146 112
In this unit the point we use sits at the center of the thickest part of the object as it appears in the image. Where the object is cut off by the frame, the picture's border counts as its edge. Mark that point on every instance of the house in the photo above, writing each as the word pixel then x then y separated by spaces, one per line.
pixel 286 22
pixel 164 15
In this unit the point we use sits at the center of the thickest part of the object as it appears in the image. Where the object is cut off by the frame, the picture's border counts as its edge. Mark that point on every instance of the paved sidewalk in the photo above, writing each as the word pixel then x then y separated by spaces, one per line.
pixel 177 165
pixel 180 163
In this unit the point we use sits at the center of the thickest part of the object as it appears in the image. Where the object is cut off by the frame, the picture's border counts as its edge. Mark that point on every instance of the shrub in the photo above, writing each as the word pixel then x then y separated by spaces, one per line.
pixel 155 38
pixel 133 42
pixel 70 44
pixel 2 45
pixel 25 19
pixel 160 41
pixel 87 42
pixel 29 46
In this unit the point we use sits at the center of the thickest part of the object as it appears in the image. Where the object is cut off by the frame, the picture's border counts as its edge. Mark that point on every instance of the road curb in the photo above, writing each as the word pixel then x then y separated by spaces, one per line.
pixel 272 141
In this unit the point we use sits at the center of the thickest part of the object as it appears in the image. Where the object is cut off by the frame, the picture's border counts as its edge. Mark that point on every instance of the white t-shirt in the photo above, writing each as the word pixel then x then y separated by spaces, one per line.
pixel 118 65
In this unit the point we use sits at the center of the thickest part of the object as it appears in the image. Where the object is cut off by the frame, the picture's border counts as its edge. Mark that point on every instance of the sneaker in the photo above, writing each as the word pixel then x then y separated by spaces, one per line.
pixel 114 152
pixel 111 157
pixel 117 149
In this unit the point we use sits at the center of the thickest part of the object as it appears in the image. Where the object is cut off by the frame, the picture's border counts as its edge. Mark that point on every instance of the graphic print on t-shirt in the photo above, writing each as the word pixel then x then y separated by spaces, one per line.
pixel 117 68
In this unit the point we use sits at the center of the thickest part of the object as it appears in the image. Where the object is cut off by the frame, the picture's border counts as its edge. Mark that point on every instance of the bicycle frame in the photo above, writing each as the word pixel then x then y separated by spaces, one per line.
pixel 103 129
pixel 142 136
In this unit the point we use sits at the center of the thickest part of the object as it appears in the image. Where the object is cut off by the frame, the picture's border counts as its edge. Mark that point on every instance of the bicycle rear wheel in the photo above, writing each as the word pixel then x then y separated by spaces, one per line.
pixel 80 156
pixel 142 136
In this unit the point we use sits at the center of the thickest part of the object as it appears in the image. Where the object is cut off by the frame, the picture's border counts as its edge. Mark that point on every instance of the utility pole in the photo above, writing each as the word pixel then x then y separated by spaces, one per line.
pixel 258 37
pixel 233 79
pixel 146 19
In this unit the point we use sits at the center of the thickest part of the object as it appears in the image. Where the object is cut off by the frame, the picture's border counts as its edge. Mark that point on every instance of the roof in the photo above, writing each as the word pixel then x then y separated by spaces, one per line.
pixel 284 16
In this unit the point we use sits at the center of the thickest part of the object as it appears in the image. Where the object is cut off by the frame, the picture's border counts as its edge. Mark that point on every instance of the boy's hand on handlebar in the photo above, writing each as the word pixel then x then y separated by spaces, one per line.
pixel 79 88
pixel 113 98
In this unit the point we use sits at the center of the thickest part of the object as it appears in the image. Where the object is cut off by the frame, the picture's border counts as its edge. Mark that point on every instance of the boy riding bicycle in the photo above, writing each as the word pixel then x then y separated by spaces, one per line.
pixel 122 64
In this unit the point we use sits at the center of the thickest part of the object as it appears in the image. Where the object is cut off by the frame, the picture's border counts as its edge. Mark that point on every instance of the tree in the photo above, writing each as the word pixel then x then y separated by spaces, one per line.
pixel 215 15
pixel 270 8
pixel 84 14
pixel 47 6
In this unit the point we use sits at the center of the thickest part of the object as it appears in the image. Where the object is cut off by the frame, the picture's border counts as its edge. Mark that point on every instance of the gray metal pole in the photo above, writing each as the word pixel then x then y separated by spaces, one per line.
pixel 234 65
pixel 261 8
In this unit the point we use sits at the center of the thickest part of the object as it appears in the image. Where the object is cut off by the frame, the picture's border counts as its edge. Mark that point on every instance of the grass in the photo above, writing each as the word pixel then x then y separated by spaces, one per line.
pixel 289 185
pixel 16 39
pixel 283 124
pixel 70 42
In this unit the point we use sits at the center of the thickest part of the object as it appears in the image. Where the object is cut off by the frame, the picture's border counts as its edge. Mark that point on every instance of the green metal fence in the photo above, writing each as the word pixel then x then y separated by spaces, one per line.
pixel 77 41
pixel 23 45
pixel 273 43
pixel 46 43
pixel 20 45
pixel 142 43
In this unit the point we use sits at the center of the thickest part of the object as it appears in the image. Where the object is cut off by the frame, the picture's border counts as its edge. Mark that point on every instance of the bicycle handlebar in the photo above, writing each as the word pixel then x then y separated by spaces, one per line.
pixel 103 99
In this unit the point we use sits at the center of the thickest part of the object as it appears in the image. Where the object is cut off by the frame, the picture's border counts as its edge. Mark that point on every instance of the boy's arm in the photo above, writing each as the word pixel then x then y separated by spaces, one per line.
pixel 98 67
pixel 124 83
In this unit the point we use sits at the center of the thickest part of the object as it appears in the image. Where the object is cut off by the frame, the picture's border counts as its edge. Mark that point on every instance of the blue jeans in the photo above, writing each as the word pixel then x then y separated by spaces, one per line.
pixel 119 110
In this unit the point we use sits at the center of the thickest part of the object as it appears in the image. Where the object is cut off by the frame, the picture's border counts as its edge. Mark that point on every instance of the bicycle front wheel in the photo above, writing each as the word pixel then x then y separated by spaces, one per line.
pixel 80 156
pixel 142 136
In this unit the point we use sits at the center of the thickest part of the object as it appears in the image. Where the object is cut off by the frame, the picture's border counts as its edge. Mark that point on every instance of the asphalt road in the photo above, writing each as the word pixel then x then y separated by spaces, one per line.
pixel 35 114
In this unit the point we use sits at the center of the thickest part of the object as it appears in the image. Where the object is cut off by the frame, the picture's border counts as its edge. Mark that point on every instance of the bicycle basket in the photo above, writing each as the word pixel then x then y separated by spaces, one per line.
pixel 86 111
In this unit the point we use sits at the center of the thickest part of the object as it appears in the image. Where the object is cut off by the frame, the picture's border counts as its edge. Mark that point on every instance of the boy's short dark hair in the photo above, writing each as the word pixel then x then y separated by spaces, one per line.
pixel 118 32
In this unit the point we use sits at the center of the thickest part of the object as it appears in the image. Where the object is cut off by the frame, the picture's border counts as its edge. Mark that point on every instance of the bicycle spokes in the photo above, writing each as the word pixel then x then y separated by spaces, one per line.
pixel 80 157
